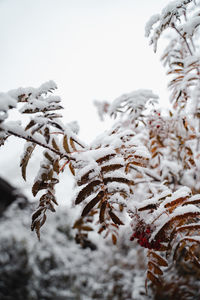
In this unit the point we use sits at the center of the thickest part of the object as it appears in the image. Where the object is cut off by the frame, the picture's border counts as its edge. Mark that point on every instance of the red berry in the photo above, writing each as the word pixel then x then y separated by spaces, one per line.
pixel 148 230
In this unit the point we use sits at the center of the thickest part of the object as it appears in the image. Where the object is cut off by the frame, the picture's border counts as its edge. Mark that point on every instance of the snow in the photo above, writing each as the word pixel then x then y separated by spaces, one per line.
pixel 74 126
pixel 70 131
pixel 94 154
pixel 102 108
pixel 180 193
pixel 6 102
pixel 35 92
pixel 161 217
pixel 174 6
pixel 133 102
pixel 130 139
pixel 191 239
pixel 154 200
pixel 118 187
pixel 76 273
pixel 154 19
pixel 91 167
pixel 194 197
pixel 170 15
pixel 142 152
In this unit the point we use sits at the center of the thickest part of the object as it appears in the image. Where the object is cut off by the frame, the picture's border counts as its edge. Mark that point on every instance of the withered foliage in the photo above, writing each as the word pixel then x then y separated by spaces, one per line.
pixel 44 129
pixel 168 227
pixel 145 155
pixel 104 184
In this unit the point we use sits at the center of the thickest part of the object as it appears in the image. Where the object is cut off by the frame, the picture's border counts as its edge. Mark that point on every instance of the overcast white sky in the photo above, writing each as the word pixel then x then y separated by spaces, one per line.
pixel 92 49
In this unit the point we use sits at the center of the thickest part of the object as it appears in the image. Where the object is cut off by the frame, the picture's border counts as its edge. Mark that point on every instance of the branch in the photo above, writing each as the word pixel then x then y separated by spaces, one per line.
pixel 36 141
pixel 147 172
pixel 186 42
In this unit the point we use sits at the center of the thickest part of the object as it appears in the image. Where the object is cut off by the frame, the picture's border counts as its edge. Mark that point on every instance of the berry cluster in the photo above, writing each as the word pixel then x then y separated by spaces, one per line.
pixel 143 235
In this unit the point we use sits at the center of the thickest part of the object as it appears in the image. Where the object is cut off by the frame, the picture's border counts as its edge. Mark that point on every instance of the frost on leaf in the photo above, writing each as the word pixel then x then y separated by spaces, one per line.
pixel 167 224
pixel 133 103
pixel 29 148
pixel 143 170
pixel 46 180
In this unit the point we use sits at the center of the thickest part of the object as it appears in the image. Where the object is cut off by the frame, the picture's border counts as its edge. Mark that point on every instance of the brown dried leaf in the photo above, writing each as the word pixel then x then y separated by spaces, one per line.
pixel 71 169
pixel 181 245
pixel 190 227
pixel 158 259
pixel 36 110
pixel 78 224
pixel 188 216
pixel 176 202
pixel 43 220
pixel 30 124
pixel 153 278
pixel 92 203
pixel 154 149
pixel 38 185
pixel 37 229
pixel 48 156
pixel 114 239
pixel 37 213
pixel 56 166
pixel 86 228
pixel 102 228
pixel 46 134
pixel 112 167
pixel 116 179
pixel 25 159
pixel 53 199
pixel 114 218
pixel 22 98
pixel 105 158
pixel 147 207
pixel 86 177
pixel 65 144
pixel 155 154
pixel 51 207
pixel 86 191
pixel 37 128
pixel 55 146
pixel 102 211
pixel 71 141
pixel 46 199
pixel 138 163
pixel 153 267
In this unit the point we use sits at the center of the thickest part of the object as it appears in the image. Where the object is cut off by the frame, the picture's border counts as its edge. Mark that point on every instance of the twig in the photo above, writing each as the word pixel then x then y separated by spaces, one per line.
pixel 186 42
pixel 31 139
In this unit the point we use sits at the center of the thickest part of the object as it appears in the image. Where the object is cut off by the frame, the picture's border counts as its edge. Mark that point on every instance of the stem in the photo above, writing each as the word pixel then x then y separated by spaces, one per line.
pixel 147 172
pixel 186 42
pixel 31 139
pixel 188 46
pixel 62 168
